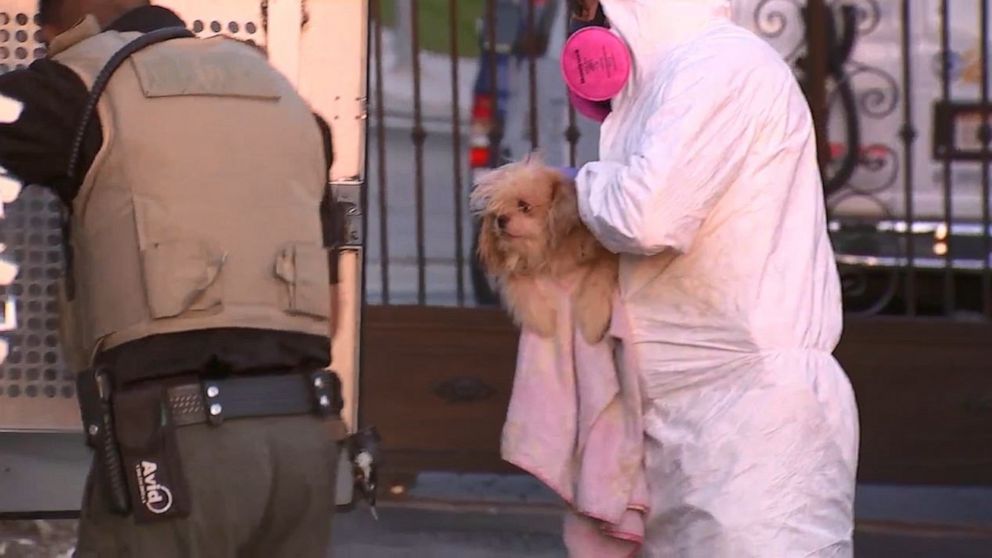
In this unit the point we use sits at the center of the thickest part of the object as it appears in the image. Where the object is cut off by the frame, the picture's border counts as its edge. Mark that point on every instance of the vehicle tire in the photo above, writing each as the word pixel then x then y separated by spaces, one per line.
pixel 482 288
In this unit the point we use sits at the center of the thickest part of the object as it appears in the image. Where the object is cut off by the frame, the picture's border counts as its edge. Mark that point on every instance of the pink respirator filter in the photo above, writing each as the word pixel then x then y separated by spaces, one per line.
pixel 595 64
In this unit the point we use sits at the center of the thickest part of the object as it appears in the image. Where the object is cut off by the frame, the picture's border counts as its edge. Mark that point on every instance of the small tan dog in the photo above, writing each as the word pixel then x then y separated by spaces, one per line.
pixel 530 231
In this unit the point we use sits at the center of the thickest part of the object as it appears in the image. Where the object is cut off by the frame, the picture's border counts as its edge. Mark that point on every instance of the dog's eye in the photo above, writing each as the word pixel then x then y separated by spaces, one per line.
pixel 523 206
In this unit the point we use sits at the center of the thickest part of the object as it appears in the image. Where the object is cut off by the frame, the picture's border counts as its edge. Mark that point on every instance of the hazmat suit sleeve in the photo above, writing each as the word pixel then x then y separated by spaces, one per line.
pixel 695 135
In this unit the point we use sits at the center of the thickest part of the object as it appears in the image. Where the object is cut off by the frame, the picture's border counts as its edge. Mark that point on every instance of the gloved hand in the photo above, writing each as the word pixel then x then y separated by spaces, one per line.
pixel 10 109
pixel 569 172
pixel 10 187
pixel 364 448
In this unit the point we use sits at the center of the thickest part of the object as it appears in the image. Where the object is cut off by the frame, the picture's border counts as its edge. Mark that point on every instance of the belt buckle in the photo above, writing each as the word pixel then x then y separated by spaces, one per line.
pixel 186 402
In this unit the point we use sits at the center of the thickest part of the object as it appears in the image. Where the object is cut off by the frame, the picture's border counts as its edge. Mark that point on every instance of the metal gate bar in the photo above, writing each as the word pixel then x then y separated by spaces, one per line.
pixel 945 88
pixel 985 134
pixel 908 135
pixel 419 135
pixel 456 148
pixel 496 132
pixel 380 115
pixel 531 49
pixel 572 133
pixel 816 74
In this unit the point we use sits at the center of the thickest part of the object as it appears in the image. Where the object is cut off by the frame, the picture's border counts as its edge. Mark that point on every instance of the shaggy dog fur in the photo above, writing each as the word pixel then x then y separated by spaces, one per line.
pixel 531 231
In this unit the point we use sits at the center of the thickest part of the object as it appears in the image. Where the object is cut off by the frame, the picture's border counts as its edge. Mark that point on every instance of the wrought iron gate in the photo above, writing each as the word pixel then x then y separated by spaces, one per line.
pixel 899 91
pixel 907 117
pixel 899 88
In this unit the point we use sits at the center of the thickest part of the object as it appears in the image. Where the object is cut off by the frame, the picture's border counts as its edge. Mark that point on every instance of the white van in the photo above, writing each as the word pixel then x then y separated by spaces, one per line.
pixel 945 135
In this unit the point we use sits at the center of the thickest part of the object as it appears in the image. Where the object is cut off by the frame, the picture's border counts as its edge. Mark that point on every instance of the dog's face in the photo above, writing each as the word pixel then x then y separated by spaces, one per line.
pixel 526 208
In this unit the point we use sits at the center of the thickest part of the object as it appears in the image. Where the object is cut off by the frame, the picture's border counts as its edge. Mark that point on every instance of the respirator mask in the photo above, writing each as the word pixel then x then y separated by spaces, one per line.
pixel 595 63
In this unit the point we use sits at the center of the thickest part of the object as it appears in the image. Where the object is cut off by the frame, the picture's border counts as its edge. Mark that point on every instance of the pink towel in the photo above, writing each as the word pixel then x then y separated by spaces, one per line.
pixel 574 422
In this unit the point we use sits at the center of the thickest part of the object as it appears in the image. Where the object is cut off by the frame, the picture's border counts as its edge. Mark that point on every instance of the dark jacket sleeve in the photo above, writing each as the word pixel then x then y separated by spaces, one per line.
pixel 36 147
pixel 331 213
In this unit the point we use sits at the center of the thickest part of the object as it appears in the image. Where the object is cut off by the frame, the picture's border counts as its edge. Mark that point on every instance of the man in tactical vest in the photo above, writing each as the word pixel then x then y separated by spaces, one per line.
pixel 201 270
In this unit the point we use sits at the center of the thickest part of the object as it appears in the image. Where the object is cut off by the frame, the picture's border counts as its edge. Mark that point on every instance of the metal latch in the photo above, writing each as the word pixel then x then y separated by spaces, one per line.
pixel 349 196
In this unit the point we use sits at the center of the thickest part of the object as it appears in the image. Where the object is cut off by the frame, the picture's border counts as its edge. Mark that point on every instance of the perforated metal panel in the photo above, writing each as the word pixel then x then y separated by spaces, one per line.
pixel 37 392
pixel 19 42
pixel 235 18
pixel 34 369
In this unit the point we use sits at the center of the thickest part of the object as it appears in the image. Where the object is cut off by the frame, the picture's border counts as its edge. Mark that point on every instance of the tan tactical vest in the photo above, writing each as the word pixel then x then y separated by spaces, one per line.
pixel 202 208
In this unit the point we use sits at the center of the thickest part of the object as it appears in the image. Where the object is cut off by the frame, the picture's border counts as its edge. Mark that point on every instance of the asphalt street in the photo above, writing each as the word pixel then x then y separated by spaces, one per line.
pixel 447 532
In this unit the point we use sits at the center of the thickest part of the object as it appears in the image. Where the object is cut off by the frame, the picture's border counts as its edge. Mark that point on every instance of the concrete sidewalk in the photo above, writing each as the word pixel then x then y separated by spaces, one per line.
pixel 425 532
pixel 494 516
pixel 446 531
pixel 483 516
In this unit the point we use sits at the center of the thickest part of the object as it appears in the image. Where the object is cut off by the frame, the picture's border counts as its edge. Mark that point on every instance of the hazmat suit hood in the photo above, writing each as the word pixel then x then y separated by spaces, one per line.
pixel 652 27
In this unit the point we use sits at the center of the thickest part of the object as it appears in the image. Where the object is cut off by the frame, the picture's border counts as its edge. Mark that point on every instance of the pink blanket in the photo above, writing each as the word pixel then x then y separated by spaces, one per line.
pixel 574 422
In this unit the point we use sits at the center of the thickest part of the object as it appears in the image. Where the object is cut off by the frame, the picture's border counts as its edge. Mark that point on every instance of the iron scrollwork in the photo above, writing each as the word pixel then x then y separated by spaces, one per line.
pixel 856 89
pixel 860 93
pixel 861 170
pixel 771 20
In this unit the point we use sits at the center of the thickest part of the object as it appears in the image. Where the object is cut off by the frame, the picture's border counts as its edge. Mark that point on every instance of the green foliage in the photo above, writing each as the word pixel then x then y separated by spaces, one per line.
pixel 434 23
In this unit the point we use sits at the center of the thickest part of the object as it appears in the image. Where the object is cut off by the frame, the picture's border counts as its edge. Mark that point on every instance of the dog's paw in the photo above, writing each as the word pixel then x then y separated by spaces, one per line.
pixel 530 306
pixel 593 301
pixel 535 311
pixel 592 314
pixel 541 323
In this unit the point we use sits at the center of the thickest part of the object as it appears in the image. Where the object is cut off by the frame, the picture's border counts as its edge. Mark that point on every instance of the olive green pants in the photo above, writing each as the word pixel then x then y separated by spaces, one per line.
pixel 259 487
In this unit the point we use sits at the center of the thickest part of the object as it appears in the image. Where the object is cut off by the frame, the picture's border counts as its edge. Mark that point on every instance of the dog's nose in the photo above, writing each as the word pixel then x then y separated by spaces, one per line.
pixel 501 221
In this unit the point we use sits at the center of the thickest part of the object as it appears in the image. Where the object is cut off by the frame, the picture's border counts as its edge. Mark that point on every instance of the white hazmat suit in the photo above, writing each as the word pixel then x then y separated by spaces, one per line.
pixel 708 187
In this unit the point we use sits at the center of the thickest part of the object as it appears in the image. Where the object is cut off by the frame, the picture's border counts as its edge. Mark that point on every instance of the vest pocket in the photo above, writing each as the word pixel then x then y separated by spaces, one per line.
pixel 303 267
pixel 178 275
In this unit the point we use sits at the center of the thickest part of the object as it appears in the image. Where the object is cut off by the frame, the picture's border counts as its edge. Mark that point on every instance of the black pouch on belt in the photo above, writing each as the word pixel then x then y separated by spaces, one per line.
pixel 147 438
pixel 93 386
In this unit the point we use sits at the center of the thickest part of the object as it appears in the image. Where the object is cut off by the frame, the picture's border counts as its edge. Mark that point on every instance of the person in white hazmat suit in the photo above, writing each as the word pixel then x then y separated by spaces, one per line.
pixel 708 187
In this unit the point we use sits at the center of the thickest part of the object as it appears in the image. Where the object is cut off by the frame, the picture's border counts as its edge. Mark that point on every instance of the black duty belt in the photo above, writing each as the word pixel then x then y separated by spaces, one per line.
pixel 213 401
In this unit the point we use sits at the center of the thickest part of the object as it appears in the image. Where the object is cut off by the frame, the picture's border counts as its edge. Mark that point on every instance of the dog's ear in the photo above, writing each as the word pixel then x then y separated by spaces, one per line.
pixel 484 176
pixel 492 260
pixel 485 187
pixel 563 216
pixel 477 201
